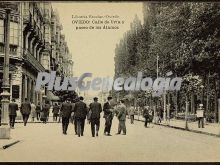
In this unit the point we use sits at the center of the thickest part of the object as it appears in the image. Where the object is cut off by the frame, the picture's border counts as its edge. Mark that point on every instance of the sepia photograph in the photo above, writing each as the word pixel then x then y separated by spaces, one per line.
pixel 109 81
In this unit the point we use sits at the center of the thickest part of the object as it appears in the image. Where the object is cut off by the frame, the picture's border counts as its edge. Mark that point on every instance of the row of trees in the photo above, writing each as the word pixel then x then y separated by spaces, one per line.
pixel 185 38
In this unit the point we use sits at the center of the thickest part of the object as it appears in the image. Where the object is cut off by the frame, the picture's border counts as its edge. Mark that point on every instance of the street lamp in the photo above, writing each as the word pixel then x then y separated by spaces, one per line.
pixel 5 130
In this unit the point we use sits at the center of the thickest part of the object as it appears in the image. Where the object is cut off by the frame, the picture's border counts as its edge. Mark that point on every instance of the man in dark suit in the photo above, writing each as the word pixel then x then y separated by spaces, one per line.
pixel 80 112
pixel 122 118
pixel 25 110
pixel 108 115
pixel 13 107
pixel 66 110
pixel 95 110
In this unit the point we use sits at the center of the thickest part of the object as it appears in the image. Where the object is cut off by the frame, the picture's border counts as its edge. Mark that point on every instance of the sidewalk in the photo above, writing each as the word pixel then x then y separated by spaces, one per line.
pixel 50 120
pixel 212 129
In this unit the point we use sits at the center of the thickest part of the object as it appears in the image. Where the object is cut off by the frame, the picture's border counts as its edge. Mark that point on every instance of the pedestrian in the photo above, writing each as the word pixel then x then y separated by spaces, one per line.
pixel 38 110
pixel 44 111
pixel 55 111
pixel 60 115
pixel 108 115
pixel 33 111
pixel 122 118
pixel 131 113
pixel 25 110
pixel 160 114
pixel 66 110
pixel 151 116
pixel 200 116
pixel 146 115
pixel 80 112
pixel 95 109
pixel 13 107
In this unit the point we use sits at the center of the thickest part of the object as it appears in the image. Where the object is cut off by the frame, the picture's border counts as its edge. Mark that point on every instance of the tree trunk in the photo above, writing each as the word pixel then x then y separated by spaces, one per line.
pixel 176 104
pixel 192 103
pixel 207 98
pixel 186 114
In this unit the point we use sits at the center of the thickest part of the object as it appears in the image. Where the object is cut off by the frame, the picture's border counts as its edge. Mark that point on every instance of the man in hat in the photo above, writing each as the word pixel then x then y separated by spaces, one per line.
pixel 95 109
pixel 108 115
pixel 80 112
pixel 200 116
pixel 25 110
pixel 146 115
pixel 122 118
pixel 66 110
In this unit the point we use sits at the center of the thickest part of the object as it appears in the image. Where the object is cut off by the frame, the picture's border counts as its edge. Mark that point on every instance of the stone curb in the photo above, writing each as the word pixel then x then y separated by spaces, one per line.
pixel 183 129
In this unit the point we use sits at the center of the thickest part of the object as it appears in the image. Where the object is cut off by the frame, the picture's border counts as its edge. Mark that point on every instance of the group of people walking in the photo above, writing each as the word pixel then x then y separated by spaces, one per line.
pixel 77 112
pixel 80 112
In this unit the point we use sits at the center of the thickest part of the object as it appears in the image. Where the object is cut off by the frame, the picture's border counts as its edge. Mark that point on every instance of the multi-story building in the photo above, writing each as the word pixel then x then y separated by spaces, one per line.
pixel 35 45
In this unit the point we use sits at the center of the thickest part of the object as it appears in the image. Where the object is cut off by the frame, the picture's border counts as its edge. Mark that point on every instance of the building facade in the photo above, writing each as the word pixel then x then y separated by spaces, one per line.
pixel 36 45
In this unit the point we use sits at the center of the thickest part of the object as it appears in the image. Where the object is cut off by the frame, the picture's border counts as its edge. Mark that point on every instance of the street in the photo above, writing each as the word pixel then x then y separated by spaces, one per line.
pixel 45 142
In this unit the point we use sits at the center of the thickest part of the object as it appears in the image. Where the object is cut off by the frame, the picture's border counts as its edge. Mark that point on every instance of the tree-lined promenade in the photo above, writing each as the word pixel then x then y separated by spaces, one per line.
pixel 181 37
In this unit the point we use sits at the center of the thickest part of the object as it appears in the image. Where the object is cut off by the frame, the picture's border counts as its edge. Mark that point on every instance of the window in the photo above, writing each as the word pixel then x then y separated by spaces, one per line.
pixel 1 31
pixel 14 33
pixel 13 50
pixel 1 48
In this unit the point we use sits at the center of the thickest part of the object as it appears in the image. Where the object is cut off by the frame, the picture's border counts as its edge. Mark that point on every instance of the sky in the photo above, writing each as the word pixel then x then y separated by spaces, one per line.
pixel 93 50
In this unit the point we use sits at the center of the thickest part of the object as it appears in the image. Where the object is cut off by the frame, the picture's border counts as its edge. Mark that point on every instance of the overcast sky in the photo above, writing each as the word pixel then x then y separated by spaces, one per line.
pixel 93 50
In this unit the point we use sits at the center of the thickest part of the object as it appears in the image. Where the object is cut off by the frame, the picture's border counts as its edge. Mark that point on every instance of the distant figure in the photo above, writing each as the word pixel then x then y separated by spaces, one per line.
pixel 60 115
pixel 95 109
pixel 38 110
pixel 146 115
pixel 151 116
pixel 33 111
pixel 55 111
pixel 80 112
pixel 160 114
pixel 108 115
pixel 200 116
pixel 44 111
pixel 25 110
pixel 13 107
pixel 122 118
pixel 131 114
pixel 66 110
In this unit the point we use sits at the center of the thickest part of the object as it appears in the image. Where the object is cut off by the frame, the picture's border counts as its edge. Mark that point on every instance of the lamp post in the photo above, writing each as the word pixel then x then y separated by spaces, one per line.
pixel 5 130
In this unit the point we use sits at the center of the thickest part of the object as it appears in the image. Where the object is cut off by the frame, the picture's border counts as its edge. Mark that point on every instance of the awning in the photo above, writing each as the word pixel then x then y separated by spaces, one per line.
pixel 51 96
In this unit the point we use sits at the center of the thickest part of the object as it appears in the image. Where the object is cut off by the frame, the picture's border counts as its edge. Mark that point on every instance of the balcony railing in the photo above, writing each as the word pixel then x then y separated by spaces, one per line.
pixel 31 60
pixel 13 52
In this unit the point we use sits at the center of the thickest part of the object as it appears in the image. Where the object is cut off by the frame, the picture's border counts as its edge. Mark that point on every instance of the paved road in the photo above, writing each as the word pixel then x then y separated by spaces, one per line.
pixel 46 143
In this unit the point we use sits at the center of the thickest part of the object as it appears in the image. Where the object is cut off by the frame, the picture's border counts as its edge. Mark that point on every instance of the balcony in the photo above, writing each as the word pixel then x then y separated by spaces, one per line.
pixel 13 52
pixel 32 61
